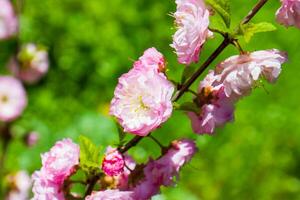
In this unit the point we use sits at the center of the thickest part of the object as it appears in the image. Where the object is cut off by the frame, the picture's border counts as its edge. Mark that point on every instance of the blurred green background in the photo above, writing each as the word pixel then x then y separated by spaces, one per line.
pixel 91 43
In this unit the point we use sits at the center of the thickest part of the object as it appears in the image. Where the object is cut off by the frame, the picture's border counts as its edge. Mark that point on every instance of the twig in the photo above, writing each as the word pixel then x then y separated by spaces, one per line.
pixel 91 185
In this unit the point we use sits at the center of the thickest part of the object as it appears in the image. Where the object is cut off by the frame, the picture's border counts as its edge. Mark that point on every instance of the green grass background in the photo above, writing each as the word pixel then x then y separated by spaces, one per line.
pixel 91 43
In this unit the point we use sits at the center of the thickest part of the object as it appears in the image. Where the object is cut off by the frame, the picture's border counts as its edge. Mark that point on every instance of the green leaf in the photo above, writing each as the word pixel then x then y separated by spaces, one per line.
pixel 217 23
pixel 248 30
pixel 222 7
pixel 188 106
pixel 90 157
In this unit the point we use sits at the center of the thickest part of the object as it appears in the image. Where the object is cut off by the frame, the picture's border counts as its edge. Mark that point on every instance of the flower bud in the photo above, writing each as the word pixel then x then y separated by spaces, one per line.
pixel 113 162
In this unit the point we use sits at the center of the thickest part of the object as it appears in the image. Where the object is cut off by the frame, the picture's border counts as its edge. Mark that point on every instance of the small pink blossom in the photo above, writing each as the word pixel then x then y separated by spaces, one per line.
pixel 162 171
pixel 60 162
pixel 111 195
pixel 192 19
pixel 44 189
pixel 151 59
pixel 289 13
pixel 21 184
pixel 31 65
pixel 13 99
pixel 142 100
pixel 113 162
pixel 8 20
pixel 239 73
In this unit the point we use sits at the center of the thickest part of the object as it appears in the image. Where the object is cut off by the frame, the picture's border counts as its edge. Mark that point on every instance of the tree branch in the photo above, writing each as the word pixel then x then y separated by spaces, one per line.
pixel 227 40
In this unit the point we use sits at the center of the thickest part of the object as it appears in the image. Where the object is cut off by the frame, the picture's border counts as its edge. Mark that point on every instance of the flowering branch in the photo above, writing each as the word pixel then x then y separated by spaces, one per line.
pixel 227 40
pixel 144 100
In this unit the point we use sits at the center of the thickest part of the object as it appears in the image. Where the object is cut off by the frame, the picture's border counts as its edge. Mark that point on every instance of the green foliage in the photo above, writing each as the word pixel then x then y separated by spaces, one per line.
pixel 222 7
pixel 90 157
pixel 250 29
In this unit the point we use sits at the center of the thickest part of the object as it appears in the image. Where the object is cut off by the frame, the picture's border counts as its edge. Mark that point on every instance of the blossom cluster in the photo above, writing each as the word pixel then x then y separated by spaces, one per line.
pixel 28 66
pixel 143 101
pixel 232 79
pixel 57 165
pixel 152 176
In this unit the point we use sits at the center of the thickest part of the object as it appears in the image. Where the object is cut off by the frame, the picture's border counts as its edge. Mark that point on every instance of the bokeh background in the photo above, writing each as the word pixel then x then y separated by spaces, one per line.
pixel 91 43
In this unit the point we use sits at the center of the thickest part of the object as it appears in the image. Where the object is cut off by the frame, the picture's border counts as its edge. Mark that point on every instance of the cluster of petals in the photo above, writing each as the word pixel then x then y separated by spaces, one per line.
pixel 239 73
pixel 142 98
pixel 289 13
pixel 21 184
pixel 8 20
pixel 13 98
pixel 31 63
pixel 113 162
pixel 161 172
pixel 232 79
pixel 57 165
pixel 192 20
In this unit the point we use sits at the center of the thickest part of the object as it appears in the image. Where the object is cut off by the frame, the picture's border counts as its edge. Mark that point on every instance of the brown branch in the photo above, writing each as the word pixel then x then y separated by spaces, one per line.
pixel 91 185
pixel 253 11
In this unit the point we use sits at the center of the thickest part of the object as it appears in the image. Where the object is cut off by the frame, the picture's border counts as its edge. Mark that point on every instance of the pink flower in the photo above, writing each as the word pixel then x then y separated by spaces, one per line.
pixel 289 13
pixel 111 195
pixel 151 59
pixel 21 184
pixel 162 171
pixel 192 19
pixel 239 73
pixel 13 99
pixel 8 20
pixel 44 189
pixel 233 78
pixel 113 162
pixel 215 108
pixel 32 64
pixel 142 100
pixel 60 162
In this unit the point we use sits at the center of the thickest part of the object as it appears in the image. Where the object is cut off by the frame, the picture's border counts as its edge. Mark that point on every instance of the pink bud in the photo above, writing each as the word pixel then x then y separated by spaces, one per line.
pixel 113 162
